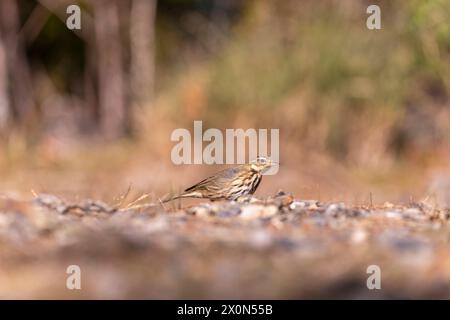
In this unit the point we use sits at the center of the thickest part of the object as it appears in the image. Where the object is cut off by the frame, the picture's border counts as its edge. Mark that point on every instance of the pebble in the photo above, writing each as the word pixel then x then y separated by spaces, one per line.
pixel 312 204
pixel 253 211
pixel 393 214
pixel 260 239
pixel 358 236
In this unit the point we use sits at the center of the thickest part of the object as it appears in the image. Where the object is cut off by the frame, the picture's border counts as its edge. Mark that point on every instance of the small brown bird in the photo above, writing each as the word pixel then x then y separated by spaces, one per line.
pixel 229 184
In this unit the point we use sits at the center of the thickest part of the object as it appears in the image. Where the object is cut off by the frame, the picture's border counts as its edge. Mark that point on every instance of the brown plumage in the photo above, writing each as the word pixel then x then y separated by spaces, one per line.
pixel 229 184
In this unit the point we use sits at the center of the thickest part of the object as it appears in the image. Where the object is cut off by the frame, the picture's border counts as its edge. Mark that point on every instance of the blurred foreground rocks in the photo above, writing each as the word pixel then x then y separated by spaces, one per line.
pixel 278 247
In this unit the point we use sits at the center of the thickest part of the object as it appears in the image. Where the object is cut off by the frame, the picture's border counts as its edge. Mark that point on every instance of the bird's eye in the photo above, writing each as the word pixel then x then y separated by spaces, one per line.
pixel 262 160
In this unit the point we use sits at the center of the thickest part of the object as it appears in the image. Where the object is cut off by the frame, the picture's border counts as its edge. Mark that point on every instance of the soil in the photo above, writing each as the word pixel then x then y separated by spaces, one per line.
pixel 279 247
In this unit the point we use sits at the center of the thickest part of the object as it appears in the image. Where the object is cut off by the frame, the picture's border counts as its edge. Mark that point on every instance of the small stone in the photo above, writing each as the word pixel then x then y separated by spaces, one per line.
pixel 358 236
pixel 312 204
pixel 283 200
pixel 393 215
pixel 156 224
pixel 229 212
pixel 258 211
pixel 388 205
pixel 414 213
pixel 334 208
pixel 261 239
pixel 203 210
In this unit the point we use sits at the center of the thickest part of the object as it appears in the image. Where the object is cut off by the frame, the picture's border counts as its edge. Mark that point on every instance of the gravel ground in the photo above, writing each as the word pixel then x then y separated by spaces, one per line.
pixel 278 247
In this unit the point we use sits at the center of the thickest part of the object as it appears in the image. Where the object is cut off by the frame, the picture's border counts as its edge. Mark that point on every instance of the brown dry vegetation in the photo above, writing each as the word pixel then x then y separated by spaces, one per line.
pixel 359 112
pixel 363 118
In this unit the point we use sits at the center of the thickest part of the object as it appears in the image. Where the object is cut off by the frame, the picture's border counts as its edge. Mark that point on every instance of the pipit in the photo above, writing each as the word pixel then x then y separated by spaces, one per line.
pixel 229 184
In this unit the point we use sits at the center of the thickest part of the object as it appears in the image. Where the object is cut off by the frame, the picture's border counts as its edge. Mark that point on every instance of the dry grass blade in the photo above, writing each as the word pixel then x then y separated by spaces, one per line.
pixel 140 198
pixel 123 197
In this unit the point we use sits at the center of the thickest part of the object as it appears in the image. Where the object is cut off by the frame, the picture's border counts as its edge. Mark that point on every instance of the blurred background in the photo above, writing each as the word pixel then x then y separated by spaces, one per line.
pixel 362 113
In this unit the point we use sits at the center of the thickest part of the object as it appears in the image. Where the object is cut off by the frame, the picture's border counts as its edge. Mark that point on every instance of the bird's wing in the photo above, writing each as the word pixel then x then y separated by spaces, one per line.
pixel 218 179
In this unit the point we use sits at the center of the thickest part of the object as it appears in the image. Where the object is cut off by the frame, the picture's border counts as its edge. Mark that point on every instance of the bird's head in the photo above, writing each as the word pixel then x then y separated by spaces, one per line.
pixel 261 164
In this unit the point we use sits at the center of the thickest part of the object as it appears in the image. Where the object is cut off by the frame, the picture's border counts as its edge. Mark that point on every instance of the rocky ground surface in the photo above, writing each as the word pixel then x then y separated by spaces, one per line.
pixel 273 248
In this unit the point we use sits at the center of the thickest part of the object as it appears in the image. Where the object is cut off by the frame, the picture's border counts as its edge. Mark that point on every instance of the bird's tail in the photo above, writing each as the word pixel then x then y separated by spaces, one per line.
pixel 180 196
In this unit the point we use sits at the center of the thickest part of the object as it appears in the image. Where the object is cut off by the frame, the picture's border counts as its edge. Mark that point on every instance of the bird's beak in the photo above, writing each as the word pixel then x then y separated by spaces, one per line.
pixel 273 163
